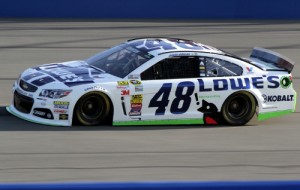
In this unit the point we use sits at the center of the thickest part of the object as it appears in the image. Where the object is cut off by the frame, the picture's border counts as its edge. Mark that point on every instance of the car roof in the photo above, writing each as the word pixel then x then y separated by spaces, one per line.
pixel 160 45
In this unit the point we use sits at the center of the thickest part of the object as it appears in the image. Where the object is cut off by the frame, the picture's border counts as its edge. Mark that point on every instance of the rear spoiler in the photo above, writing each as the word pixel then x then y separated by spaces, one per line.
pixel 273 58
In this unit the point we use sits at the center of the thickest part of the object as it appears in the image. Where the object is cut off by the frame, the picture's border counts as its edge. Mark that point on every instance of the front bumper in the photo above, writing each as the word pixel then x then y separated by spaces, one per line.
pixel 31 107
pixel 11 109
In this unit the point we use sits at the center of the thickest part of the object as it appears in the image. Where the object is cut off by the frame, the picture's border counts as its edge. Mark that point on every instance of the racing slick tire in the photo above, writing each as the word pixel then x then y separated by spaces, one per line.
pixel 238 108
pixel 93 109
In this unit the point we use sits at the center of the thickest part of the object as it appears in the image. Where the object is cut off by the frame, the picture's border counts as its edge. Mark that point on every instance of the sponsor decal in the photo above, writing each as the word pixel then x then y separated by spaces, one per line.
pixel 285 82
pixel 250 70
pixel 71 76
pixel 61 105
pixel 135 113
pixel 134 76
pixel 94 88
pixel 182 54
pixel 136 99
pixel 63 116
pixel 39 113
pixel 210 96
pixel 277 98
pixel 60 111
pixel 122 87
pixel 43 113
pixel 123 83
pixel 65 75
pixel 135 82
pixel 125 92
pixel 136 105
pixel 139 88
pixel 240 83
pixel 210 112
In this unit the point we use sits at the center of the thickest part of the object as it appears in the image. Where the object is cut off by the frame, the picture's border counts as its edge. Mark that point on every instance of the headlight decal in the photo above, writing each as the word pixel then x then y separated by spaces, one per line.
pixel 54 93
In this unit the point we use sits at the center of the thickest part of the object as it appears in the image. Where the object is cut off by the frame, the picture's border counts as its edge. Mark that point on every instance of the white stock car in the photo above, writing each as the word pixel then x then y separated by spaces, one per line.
pixel 157 81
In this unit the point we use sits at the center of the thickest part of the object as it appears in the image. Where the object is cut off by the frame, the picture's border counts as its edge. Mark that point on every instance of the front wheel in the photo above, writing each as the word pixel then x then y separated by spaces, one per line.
pixel 93 109
pixel 238 108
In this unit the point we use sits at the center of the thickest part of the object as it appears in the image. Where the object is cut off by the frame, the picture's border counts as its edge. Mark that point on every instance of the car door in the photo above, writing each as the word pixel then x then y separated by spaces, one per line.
pixel 170 89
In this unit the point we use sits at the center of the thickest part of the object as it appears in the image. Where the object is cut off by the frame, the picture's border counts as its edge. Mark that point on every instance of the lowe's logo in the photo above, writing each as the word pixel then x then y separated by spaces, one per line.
pixel 278 98
pixel 249 69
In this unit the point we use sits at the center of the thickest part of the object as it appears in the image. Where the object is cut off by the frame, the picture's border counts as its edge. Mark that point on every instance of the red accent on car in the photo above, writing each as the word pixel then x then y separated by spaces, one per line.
pixel 209 120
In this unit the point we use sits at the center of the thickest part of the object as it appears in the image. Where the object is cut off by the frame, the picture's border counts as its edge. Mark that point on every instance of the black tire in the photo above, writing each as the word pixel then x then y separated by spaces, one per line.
pixel 93 109
pixel 238 108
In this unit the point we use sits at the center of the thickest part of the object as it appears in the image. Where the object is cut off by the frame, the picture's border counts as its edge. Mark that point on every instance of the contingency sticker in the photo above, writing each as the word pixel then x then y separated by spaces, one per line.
pixel 136 105
pixel 61 105
pixel 122 84
pixel 135 82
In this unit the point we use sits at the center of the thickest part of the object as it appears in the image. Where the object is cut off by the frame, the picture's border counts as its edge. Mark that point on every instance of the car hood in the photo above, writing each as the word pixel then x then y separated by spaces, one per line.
pixel 71 73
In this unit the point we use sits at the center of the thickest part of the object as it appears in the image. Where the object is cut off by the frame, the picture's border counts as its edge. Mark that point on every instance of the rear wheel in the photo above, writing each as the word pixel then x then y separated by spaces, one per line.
pixel 239 108
pixel 93 109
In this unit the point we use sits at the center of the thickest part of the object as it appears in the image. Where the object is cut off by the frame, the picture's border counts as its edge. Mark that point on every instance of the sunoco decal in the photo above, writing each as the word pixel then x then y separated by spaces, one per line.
pixel 122 84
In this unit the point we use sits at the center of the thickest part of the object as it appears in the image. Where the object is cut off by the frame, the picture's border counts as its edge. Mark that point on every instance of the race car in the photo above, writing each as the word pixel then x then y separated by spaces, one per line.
pixel 157 81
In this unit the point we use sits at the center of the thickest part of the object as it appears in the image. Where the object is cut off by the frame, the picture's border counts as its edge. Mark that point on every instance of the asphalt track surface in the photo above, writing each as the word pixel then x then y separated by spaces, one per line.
pixel 37 153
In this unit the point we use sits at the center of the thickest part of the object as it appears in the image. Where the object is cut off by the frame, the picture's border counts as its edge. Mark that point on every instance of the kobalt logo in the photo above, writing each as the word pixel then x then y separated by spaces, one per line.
pixel 278 98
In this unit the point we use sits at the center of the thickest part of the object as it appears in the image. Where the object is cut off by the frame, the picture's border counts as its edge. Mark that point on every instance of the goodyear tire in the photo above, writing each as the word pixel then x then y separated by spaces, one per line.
pixel 93 109
pixel 238 108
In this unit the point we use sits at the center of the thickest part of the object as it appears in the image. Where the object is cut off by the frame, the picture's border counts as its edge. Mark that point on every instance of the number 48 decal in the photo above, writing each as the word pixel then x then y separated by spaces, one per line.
pixel 180 96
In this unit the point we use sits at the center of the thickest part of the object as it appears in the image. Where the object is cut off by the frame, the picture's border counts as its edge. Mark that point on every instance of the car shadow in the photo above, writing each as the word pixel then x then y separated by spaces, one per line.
pixel 9 122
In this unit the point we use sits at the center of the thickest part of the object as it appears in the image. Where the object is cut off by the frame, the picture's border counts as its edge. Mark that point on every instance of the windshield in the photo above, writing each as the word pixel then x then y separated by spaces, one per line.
pixel 119 60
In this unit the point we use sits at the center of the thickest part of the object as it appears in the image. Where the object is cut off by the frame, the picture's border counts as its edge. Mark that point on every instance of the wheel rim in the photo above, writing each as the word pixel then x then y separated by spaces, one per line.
pixel 92 107
pixel 238 107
